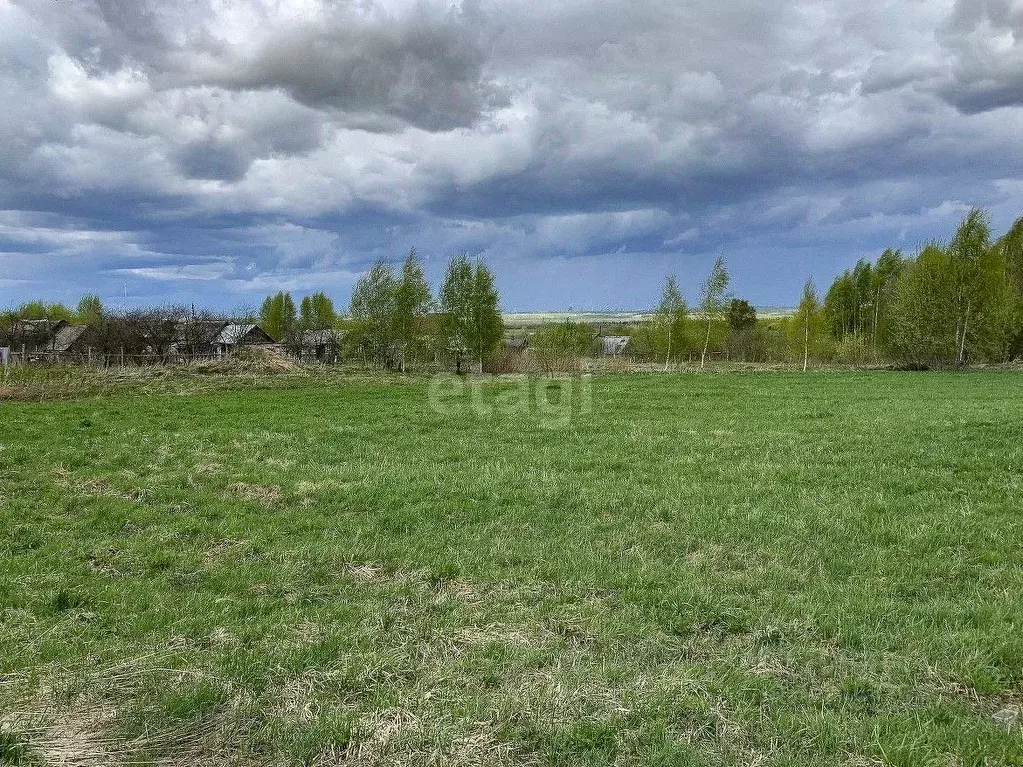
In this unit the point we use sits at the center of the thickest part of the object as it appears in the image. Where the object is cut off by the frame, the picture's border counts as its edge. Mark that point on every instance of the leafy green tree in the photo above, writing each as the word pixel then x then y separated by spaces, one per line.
pixel 1011 248
pixel 808 324
pixel 741 315
pixel 317 312
pixel 670 318
pixel 923 325
pixel 966 254
pixel 1011 245
pixel 858 303
pixel 40 310
pixel 472 324
pixel 744 339
pixel 90 309
pixel 373 310
pixel 412 303
pixel 887 271
pixel 840 305
pixel 863 309
pixel 559 345
pixel 714 300
pixel 277 316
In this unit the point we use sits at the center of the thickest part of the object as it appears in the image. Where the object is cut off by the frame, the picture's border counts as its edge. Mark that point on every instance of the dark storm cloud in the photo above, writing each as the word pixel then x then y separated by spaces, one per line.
pixel 423 68
pixel 203 147
pixel 211 161
pixel 985 40
pixel 424 72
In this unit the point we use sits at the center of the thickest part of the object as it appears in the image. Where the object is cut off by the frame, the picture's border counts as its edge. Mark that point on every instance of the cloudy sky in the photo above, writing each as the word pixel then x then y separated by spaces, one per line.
pixel 217 150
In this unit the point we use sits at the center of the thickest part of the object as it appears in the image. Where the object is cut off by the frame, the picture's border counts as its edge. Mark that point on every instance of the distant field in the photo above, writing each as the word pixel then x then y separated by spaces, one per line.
pixel 535 319
pixel 516 320
pixel 775 569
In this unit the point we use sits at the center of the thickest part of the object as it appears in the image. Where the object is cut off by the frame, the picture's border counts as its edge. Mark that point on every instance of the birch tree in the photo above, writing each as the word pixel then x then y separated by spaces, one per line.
pixel 412 302
pixel 372 309
pixel 808 321
pixel 966 260
pixel 671 316
pixel 472 324
pixel 714 299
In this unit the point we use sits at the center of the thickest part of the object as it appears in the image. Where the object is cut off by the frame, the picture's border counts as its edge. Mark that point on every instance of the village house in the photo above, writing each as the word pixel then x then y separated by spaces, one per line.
pixel 321 345
pixel 233 335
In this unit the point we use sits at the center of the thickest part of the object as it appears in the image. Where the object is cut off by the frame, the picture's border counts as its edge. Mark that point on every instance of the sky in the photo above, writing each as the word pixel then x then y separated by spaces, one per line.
pixel 215 151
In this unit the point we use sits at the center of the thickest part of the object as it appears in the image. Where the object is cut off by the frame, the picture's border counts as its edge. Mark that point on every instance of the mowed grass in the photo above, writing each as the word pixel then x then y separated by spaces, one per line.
pixel 775 569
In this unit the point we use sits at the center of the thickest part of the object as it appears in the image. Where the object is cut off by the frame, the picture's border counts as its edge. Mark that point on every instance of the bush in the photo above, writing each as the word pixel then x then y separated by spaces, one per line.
pixel 853 351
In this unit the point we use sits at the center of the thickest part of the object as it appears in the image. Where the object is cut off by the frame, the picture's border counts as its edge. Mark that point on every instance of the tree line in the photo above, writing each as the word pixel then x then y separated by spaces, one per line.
pixel 949 304
pixel 393 320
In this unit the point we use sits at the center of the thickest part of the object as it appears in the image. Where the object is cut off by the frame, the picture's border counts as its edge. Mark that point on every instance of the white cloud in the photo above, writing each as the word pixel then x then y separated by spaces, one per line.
pixel 262 142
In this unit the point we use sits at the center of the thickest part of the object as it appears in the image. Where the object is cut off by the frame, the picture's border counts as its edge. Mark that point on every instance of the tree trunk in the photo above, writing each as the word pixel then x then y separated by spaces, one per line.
pixel 667 358
pixel 806 344
pixel 962 338
pixel 873 335
pixel 706 345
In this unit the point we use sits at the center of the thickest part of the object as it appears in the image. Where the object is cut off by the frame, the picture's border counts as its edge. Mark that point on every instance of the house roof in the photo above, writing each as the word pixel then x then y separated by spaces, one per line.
pixel 231 333
pixel 47 326
pixel 66 337
pixel 234 333
pixel 320 337
pixel 200 331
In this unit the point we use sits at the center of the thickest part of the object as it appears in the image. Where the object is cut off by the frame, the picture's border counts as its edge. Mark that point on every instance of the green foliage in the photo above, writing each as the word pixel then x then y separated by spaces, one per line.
pixel 852 350
pixel 923 324
pixel 745 340
pixel 741 315
pixel 806 331
pixel 41 310
pixel 970 271
pixel 564 337
pixel 277 316
pixel 372 310
pixel 670 321
pixel 90 309
pixel 714 297
pixel 412 302
pixel 714 300
pixel 857 304
pixel 472 325
pixel 888 270
pixel 317 312
pixel 559 345
pixel 949 305
pixel 1011 248
pixel 958 303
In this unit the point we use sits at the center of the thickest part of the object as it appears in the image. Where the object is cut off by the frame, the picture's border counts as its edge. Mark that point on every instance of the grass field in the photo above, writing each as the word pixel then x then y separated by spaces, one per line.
pixel 774 569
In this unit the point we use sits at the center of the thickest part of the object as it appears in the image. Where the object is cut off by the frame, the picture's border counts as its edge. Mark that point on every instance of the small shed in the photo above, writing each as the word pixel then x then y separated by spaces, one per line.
pixel 36 335
pixel 323 345
pixel 234 335
pixel 198 336
pixel 71 340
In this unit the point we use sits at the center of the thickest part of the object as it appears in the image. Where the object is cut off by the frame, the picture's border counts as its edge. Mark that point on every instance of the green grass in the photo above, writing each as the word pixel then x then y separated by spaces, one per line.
pixel 730 569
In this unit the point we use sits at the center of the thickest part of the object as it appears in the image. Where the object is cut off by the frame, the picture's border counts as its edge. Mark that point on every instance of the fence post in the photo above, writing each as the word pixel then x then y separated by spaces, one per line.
pixel 24 358
pixel 89 350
